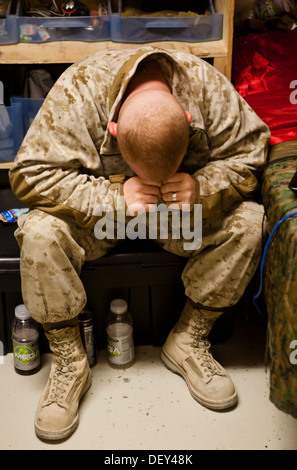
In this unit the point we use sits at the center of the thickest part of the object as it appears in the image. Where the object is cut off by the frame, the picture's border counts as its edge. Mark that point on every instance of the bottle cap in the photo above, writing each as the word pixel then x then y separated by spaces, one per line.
pixel 21 312
pixel 118 306
pixel 85 316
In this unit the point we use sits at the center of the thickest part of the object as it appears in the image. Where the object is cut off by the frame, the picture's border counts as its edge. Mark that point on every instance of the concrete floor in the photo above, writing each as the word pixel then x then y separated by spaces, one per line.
pixel 146 407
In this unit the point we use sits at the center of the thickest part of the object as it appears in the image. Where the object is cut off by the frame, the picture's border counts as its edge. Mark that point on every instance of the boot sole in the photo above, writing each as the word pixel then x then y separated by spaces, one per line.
pixel 66 432
pixel 213 405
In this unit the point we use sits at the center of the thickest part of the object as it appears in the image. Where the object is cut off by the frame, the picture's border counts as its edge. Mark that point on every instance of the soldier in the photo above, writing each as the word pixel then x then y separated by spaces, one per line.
pixel 137 126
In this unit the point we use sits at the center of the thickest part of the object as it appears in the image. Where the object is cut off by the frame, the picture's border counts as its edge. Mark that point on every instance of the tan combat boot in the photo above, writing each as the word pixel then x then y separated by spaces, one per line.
pixel 70 378
pixel 187 352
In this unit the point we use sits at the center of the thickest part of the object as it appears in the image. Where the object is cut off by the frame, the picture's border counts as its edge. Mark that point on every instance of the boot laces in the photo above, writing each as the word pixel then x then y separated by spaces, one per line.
pixel 202 350
pixel 63 373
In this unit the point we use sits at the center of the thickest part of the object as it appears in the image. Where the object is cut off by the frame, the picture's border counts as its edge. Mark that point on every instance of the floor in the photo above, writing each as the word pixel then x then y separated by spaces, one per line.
pixel 146 407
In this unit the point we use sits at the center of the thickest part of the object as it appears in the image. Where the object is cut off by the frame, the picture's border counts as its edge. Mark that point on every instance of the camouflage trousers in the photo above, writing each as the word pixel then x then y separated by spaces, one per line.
pixel 216 274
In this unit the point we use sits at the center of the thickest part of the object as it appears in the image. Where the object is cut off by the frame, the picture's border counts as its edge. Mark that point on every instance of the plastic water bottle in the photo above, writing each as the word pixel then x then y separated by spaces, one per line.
pixel 270 8
pixel 25 341
pixel 263 10
pixel 119 330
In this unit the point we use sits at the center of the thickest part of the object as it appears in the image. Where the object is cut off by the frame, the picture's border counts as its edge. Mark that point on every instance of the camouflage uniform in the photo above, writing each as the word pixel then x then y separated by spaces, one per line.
pixel 66 164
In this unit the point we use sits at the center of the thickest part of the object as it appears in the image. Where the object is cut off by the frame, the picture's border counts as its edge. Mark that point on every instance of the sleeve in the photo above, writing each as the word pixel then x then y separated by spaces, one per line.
pixel 56 165
pixel 238 141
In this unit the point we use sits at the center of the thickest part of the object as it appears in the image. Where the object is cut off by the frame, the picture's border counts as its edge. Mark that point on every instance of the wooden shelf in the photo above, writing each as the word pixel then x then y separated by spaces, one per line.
pixel 5 165
pixel 71 51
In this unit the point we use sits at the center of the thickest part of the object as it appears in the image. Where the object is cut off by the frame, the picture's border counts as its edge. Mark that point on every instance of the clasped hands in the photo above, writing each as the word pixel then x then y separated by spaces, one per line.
pixel 146 195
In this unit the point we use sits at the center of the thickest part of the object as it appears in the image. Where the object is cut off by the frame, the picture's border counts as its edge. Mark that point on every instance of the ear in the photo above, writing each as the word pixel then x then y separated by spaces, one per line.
pixel 113 128
pixel 189 116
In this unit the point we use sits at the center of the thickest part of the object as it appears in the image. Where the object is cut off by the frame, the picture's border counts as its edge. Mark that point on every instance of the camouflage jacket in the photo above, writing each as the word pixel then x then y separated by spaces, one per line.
pixel 68 159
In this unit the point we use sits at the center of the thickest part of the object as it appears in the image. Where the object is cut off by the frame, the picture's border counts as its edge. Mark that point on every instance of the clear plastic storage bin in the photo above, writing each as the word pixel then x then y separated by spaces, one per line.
pixel 9 25
pixel 72 28
pixel 11 131
pixel 141 29
pixel 15 121
pixel 29 109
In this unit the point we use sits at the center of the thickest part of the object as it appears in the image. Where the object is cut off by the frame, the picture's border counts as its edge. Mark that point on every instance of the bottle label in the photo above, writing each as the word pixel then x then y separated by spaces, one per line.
pixel 270 8
pixel 26 355
pixel 120 347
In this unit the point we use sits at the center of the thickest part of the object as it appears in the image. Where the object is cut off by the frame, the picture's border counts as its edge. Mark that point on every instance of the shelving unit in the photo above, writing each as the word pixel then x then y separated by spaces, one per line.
pixel 71 51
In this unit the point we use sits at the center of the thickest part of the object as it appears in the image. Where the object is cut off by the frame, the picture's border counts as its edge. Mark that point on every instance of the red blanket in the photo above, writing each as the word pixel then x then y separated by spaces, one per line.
pixel 265 74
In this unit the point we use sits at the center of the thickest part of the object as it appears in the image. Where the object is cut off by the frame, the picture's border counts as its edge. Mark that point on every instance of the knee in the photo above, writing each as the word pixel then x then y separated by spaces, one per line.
pixel 39 233
pixel 247 225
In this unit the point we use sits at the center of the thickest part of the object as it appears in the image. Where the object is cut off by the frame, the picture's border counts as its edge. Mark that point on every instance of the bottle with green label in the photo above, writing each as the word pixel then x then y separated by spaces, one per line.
pixel 25 342
pixel 119 330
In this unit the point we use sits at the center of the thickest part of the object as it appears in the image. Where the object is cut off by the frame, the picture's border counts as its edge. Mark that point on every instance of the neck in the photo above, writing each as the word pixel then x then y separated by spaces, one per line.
pixel 148 76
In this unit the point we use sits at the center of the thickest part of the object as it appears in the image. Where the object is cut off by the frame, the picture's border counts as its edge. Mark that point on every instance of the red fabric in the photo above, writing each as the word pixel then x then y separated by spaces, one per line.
pixel 264 67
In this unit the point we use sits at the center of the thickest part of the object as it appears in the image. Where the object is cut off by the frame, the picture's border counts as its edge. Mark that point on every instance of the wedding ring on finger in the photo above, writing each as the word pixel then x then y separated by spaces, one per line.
pixel 174 197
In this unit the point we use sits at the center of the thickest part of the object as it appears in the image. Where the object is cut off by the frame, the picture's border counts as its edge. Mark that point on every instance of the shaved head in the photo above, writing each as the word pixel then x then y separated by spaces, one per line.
pixel 153 133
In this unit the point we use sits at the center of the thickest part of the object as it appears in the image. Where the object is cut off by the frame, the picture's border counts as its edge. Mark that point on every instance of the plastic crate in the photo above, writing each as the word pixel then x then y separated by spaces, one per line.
pixel 29 109
pixel 75 28
pixel 144 29
pixel 9 26
pixel 15 121
pixel 11 131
